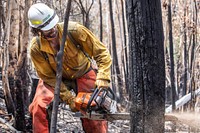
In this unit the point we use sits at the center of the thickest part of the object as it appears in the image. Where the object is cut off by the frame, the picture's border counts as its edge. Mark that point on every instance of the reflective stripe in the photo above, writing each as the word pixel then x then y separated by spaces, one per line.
pixel 36 22
pixel 47 22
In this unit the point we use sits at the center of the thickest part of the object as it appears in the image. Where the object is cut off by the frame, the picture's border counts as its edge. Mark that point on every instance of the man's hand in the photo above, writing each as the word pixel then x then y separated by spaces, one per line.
pixel 102 83
pixel 72 105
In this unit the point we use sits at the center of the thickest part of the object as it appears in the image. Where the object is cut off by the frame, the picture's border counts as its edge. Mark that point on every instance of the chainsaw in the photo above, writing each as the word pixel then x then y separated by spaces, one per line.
pixel 102 105
pixel 99 105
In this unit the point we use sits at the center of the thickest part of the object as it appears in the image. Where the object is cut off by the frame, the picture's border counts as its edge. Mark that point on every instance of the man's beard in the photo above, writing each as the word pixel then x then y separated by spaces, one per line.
pixel 52 35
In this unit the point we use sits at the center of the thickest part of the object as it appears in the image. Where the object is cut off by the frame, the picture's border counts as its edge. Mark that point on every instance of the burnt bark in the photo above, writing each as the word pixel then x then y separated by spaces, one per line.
pixel 125 47
pixel 185 67
pixel 147 66
pixel 85 12
pixel 115 56
pixel 101 21
pixel 5 74
pixel 21 80
pixel 171 48
pixel 192 84
pixel 59 71
pixel 1 15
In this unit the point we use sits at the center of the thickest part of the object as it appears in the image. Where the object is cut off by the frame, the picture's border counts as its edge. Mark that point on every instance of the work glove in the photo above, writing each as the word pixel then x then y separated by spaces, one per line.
pixel 72 105
pixel 69 98
pixel 102 83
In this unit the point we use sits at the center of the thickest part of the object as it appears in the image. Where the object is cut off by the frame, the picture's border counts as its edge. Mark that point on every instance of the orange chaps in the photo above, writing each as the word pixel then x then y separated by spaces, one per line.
pixel 44 95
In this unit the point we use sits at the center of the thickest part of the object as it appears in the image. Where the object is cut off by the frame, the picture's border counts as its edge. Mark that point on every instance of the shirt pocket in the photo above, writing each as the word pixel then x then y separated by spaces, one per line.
pixel 72 56
pixel 70 51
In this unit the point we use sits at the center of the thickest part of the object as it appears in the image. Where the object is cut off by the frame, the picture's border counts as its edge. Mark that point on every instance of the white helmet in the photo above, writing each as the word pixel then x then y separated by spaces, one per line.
pixel 42 17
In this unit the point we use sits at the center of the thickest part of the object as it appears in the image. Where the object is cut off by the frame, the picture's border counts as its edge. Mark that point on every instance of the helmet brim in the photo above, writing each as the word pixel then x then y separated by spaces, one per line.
pixel 51 24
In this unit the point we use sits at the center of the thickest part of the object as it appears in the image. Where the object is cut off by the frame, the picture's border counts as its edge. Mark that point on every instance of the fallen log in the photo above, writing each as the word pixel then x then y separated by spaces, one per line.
pixel 179 103
pixel 3 121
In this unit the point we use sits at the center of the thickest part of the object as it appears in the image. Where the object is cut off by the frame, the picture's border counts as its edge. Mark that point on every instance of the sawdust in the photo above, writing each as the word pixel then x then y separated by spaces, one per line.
pixel 190 119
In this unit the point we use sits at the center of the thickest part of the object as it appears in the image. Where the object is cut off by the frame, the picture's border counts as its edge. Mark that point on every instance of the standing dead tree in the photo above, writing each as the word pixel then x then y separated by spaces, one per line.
pixel 21 77
pixel 5 73
pixel 115 67
pixel 125 46
pixel 147 66
pixel 185 65
pixel 85 12
pixel 101 21
pixel 171 49
pixel 15 43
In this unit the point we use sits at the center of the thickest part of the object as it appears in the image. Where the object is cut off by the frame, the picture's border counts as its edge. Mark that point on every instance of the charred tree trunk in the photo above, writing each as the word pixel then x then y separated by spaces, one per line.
pixel 192 84
pixel 125 47
pixel 171 48
pixel 21 77
pixel 85 12
pixel 18 77
pixel 147 66
pixel 1 16
pixel 14 52
pixel 115 56
pixel 185 68
pixel 122 90
pixel 101 21
pixel 5 78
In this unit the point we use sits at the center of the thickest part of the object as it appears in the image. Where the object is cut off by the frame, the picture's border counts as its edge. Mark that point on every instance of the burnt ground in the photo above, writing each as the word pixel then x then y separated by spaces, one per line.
pixel 186 123
pixel 66 123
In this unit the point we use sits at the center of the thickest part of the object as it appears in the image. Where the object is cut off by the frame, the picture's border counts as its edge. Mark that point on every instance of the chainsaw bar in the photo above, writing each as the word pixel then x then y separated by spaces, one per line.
pixel 108 117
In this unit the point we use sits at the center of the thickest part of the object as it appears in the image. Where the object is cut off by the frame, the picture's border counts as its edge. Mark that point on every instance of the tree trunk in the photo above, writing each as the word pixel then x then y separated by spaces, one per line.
pixel 101 21
pixel 115 56
pixel 1 27
pixel 125 47
pixel 21 77
pixel 147 66
pixel 85 12
pixel 171 48
pixel 184 52
pixel 1 16
pixel 192 84
pixel 14 51
pixel 5 70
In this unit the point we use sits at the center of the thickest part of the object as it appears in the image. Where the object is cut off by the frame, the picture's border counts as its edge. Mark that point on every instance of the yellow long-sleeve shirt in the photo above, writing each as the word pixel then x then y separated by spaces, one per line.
pixel 75 63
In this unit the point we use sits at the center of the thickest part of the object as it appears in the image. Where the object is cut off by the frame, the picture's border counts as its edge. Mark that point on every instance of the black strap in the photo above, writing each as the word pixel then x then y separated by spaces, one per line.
pixel 43 53
pixel 78 46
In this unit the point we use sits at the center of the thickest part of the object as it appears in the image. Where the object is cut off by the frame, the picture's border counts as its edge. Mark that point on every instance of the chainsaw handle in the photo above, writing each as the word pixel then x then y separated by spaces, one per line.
pixel 111 91
pixel 105 91
pixel 91 99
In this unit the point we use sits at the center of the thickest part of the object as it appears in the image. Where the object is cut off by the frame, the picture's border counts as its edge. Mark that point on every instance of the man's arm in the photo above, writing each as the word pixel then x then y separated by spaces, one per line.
pixel 45 71
pixel 95 49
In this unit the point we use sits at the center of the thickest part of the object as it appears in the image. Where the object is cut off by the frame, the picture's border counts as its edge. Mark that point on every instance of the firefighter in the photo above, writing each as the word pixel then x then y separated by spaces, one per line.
pixel 77 70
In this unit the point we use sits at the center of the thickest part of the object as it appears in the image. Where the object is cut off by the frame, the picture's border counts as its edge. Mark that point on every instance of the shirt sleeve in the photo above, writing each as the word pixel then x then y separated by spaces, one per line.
pixel 45 72
pixel 96 49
